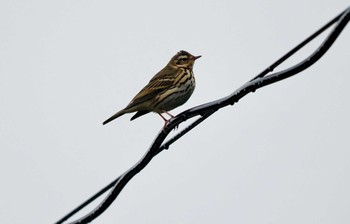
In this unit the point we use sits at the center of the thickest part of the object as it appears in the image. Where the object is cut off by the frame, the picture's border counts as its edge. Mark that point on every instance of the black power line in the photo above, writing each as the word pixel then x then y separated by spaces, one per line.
pixel 205 110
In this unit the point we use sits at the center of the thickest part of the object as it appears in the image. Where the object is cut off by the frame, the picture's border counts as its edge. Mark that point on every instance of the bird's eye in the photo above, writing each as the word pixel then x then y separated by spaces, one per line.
pixel 181 60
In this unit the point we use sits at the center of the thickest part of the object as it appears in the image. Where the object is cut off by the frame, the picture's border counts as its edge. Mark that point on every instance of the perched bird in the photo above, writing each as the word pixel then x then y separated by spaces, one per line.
pixel 168 89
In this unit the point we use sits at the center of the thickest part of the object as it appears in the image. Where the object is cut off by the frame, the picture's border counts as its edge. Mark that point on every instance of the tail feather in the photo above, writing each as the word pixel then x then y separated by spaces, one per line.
pixel 139 114
pixel 118 114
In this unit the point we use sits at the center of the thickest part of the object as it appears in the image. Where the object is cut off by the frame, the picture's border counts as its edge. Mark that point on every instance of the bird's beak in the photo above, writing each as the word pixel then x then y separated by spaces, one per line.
pixel 196 57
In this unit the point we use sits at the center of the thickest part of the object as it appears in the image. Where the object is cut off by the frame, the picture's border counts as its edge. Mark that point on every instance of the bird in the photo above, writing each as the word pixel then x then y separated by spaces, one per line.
pixel 169 88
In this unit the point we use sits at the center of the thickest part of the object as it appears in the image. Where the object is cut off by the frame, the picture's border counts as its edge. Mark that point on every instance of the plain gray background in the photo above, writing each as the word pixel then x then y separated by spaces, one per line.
pixel 281 155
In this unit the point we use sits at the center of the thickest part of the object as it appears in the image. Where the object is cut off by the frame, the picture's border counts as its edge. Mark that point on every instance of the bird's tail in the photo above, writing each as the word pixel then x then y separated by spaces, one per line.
pixel 118 114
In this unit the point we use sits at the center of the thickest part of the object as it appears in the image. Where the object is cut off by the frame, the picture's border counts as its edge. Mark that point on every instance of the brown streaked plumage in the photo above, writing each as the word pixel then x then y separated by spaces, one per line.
pixel 168 89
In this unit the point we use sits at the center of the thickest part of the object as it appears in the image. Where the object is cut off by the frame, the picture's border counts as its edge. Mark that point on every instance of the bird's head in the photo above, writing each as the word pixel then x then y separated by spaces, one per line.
pixel 183 59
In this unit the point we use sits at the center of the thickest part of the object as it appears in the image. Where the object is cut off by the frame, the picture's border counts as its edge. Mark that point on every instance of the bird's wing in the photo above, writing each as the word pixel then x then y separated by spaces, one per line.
pixel 162 81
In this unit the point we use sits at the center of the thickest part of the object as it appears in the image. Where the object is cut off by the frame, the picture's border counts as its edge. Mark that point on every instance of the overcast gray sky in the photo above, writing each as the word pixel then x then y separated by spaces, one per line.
pixel 281 155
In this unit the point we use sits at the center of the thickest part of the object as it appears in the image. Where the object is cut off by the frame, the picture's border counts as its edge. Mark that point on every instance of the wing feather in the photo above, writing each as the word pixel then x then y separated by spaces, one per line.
pixel 162 81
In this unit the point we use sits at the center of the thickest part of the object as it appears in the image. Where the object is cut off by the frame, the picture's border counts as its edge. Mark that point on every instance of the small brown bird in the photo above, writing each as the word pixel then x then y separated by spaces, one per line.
pixel 168 89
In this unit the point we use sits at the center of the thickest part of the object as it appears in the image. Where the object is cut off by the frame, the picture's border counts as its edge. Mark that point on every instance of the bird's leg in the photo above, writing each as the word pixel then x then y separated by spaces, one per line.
pixel 169 114
pixel 165 120
pixel 177 126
